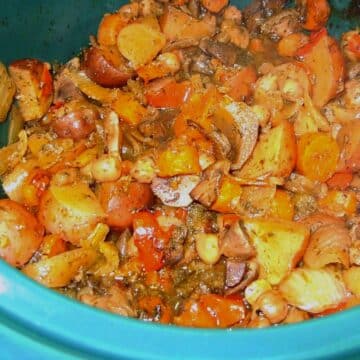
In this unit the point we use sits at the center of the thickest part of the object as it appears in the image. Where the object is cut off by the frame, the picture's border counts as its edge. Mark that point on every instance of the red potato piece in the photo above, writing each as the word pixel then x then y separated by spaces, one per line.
pixel 101 70
pixel 140 43
pixel 121 200
pixel 71 211
pixel 20 233
pixel 75 120
pixel 176 25
pixel 34 87
pixel 323 58
pixel 348 140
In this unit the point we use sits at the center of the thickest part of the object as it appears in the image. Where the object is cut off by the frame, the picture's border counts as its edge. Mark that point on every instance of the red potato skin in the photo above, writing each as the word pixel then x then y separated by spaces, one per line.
pixel 20 231
pixel 77 121
pixel 103 72
pixel 121 202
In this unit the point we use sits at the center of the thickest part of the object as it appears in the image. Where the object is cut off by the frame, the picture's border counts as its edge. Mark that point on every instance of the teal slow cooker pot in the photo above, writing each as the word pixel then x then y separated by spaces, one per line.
pixel 37 323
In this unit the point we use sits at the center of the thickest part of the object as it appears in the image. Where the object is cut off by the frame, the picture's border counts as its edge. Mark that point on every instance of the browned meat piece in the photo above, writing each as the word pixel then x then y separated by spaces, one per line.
pixel 282 24
pixel 206 191
pixel 235 243
pixel 228 54
pixel 116 300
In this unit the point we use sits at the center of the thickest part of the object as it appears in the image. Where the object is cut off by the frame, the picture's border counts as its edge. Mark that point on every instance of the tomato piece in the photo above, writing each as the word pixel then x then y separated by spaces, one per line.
pixel 170 95
pixel 150 240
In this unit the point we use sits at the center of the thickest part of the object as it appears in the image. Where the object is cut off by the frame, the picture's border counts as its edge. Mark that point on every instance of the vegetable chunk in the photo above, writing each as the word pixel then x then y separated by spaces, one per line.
pixel 140 43
pixel 279 246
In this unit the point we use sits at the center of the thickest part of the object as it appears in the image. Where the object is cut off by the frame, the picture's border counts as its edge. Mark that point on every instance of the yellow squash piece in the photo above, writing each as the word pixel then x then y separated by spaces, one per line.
pixel 279 245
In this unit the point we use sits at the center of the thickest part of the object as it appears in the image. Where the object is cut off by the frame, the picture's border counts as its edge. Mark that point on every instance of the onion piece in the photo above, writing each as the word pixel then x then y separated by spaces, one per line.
pixel 328 245
pixel 313 290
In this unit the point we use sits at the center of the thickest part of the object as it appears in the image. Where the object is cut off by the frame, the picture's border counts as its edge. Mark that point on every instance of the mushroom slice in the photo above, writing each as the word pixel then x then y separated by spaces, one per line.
pixel 240 125
pixel 235 243
pixel 206 191
pixel 175 191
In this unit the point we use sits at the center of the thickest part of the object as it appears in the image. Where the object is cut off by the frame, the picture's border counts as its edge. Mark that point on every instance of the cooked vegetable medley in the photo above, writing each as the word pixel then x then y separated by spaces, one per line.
pixel 196 165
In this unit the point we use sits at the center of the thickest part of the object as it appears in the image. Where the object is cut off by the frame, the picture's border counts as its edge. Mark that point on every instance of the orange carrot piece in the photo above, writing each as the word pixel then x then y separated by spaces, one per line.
pixel 282 206
pixel 214 6
pixel 169 94
pixel 256 45
pixel 318 155
pixel 109 29
pixel 340 181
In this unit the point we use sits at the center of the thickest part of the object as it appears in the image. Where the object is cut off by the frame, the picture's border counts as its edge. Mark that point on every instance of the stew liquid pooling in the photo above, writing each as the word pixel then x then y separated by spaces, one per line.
pixel 197 164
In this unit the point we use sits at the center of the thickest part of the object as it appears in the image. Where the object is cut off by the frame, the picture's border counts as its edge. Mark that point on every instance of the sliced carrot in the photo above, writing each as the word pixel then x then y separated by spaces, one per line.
pixel 290 44
pixel 282 206
pixel 169 94
pixel 229 194
pixel 318 155
pixel 317 14
pixel 340 181
pixel 109 29
pixel 214 6
pixel 178 159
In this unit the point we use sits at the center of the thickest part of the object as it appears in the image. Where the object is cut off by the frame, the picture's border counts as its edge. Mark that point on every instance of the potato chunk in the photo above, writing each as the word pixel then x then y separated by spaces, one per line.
pixel 59 270
pixel 71 211
pixel 140 43
pixel 313 290
pixel 279 246
pixel 34 87
pixel 7 92
pixel 274 154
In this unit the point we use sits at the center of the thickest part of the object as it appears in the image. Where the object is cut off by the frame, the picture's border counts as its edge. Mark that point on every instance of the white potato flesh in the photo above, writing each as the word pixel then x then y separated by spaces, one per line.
pixel 71 211
pixel 313 290
pixel 59 270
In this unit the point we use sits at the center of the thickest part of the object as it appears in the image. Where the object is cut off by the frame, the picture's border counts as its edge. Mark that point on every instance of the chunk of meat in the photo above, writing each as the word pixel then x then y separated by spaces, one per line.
pixel 206 192
pixel 251 274
pixel 282 24
pixel 117 301
pixel 228 54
